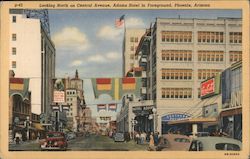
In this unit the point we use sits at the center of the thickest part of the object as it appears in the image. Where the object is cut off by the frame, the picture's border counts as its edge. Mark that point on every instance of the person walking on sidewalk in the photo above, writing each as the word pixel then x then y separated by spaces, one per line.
pixel 151 146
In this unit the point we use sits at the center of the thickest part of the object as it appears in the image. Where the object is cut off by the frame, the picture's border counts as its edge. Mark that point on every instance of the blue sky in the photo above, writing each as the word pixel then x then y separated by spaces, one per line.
pixel 87 40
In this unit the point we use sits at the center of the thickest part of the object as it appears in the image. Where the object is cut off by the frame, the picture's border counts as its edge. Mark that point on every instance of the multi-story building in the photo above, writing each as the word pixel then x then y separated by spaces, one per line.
pixel 86 122
pixel 131 41
pixel 32 55
pixel 183 53
pixel 75 100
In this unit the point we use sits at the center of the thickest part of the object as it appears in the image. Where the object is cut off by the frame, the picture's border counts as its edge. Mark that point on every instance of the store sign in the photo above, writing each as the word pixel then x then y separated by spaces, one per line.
pixel 236 99
pixel 176 116
pixel 207 87
pixel 210 87
pixel 59 90
pixel 59 96
pixel 141 108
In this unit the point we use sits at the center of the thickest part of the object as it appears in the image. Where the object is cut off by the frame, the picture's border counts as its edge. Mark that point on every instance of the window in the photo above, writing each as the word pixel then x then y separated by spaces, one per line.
pixel 211 56
pixel 235 37
pixel 176 55
pixel 210 37
pixel 207 73
pixel 235 56
pixel 14 19
pixel 176 36
pixel 13 37
pixel 132 48
pixel 131 39
pixel 227 146
pixel 176 93
pixel 14 51
pixel 136 39
pixel 13 64
pixel 177 74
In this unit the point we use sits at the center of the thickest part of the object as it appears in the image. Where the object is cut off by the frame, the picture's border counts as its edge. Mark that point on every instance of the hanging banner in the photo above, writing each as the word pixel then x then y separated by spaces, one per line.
pixel 101 107
pixel 116 87
pixel 112 107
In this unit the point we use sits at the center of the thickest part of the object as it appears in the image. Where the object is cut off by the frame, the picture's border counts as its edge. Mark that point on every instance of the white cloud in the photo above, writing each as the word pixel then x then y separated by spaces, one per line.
pixel 103 58
pixel 113 55
pixel 110 33
pixel 76 63
pixel 134 22
pixel 96 58
pixel 71 38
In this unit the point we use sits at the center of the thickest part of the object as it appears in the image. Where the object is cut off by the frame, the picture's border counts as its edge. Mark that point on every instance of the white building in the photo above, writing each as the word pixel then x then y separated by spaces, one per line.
pixel 103 118
pixel 183 53
pixel 131 40
pixel 32 55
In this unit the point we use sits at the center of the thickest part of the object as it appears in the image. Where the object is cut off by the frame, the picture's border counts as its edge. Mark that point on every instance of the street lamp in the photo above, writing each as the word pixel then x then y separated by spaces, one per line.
pixel 27 124
pixel 133 123
pixel 154 118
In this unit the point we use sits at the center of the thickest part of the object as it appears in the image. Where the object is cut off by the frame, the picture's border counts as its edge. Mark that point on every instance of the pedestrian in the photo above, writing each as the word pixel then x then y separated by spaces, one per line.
pixel 156 138
pixel 151 146
pixel 137 136
pixel 143 137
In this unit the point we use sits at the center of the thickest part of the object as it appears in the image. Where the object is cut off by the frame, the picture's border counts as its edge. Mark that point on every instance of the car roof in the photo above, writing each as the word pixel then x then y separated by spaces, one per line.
pixel 210 141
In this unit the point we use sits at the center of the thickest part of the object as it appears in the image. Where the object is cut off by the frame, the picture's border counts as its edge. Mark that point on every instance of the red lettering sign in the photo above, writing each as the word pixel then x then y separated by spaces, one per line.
pixel 208 87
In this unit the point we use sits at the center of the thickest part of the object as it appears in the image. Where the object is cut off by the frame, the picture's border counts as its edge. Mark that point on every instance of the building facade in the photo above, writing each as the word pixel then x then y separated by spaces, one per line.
pixel 75 100
pixel 31 49
pixel 131 41
pixel 183 53
pixel 231 113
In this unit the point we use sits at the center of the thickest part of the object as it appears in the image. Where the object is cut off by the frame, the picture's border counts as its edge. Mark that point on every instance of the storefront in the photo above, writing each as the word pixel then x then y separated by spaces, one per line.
pixel 231 114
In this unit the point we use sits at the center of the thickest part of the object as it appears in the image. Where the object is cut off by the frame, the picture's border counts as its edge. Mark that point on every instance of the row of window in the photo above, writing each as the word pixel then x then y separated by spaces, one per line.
pixel 206 56
pixel 176 36
pixel 187 74
pixel 210 37
pixel 235 56
pixel 133 48
pixel 177 74
pixel 176 93
pixel 134 39
pixel 207 73
pixel 210 55
pixel 235 37
pixel 70 92
pixel 177 55
pixel 203 36
pixel 105 118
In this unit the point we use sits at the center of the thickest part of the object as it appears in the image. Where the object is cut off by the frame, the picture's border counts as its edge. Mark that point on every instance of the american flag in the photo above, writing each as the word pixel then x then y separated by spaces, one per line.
pixel 119 22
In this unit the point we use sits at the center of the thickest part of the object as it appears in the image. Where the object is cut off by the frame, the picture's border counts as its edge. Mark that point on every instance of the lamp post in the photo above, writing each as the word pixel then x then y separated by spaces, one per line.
pixel 154 118
pixel 27 125
pixel 133 123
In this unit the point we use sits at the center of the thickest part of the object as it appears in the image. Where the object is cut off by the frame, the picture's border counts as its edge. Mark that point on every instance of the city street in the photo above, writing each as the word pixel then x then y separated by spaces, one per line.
pixel 91 143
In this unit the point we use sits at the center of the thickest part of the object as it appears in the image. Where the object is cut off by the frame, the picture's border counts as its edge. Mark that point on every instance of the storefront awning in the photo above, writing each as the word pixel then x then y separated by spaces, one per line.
pixel 231 112
pixel 38 126
pixel 193 121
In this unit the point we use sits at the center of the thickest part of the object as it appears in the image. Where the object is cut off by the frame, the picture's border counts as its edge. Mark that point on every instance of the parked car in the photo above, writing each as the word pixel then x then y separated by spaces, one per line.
pixel 71 135
pixel 173 142
pixel 119 137
pixel 198 134
pixel 54 141
pixel 214 143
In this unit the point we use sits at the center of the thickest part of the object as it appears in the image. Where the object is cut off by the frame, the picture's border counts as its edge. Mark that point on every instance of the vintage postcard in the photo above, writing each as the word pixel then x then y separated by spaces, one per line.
pixel 124 79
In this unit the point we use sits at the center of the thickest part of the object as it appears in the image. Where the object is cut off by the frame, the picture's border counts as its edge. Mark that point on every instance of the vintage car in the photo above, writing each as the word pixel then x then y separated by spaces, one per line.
pixel 70 135
pixel 214 143
pixel 119 137
pixel 54 141
pixel 173 142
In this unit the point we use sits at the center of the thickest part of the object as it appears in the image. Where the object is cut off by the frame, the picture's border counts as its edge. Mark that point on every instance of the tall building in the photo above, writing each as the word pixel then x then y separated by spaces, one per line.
pixel 75 99
pixel 184 52
pixel 32 55
pixel 131 40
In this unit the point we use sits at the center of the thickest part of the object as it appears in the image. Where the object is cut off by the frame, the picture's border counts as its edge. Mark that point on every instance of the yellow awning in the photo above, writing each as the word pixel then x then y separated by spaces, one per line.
pixel 193 120
pixel 38 126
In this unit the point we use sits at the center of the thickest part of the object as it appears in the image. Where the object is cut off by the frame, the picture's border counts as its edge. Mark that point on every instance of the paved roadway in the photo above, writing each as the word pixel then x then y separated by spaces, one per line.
pixel 91 143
